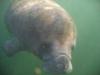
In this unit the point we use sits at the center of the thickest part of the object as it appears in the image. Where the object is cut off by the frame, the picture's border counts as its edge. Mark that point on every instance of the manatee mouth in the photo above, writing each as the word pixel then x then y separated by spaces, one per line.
pixel 58 65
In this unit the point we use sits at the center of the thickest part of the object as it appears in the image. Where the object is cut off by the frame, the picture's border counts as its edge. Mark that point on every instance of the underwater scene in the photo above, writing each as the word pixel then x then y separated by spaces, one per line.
pixel 49 37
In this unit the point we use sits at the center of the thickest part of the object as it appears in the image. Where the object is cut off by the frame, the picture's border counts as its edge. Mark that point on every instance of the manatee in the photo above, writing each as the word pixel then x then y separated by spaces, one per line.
pixel 43 28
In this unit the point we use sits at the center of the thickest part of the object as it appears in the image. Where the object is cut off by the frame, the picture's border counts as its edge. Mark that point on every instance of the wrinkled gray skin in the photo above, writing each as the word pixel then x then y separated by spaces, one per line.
pixel 43 28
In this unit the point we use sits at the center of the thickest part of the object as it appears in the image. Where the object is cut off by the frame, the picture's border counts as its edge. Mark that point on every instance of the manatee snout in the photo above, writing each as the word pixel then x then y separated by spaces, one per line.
pixel 56 58
pixel 58 65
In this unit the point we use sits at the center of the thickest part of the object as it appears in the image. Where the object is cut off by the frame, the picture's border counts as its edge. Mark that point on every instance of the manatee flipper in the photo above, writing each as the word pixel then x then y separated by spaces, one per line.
pixel 12 46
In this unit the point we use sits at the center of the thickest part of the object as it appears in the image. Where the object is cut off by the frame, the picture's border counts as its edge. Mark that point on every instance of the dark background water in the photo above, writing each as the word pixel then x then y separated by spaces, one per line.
pixel 86 55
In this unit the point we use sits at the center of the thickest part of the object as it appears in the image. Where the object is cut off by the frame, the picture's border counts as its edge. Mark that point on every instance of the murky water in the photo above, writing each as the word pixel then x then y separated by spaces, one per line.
pixel 86 55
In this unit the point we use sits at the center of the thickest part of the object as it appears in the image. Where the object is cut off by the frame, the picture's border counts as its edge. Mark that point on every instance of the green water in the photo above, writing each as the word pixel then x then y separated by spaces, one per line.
pixel 86 55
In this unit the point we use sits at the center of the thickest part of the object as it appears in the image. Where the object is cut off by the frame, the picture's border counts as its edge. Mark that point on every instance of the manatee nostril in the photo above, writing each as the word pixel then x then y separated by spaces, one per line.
pixel 60 65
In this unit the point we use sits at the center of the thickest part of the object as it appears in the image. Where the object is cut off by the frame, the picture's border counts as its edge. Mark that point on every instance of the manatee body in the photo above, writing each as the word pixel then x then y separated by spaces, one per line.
pixel 44 28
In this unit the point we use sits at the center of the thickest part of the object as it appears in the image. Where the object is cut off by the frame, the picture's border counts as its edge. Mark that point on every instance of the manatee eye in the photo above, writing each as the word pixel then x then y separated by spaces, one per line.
pixel 45 48
pixel 45 45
